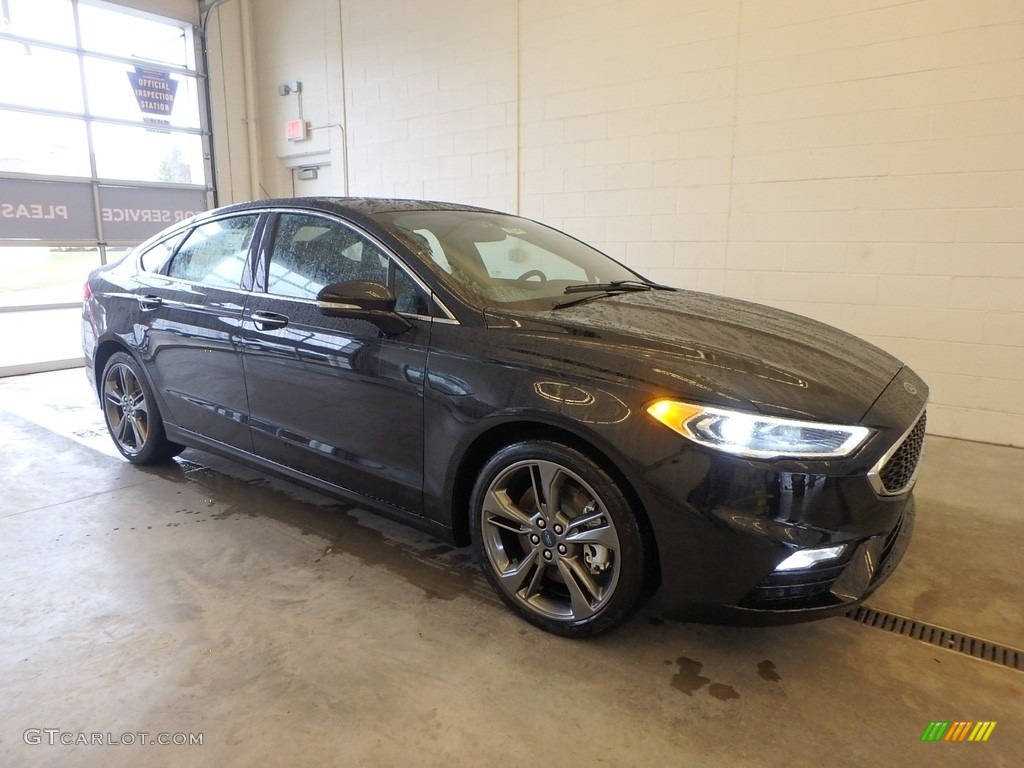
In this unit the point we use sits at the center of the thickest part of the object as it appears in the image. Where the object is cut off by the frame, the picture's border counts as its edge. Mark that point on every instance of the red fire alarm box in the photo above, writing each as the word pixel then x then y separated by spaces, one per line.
pixel 295 130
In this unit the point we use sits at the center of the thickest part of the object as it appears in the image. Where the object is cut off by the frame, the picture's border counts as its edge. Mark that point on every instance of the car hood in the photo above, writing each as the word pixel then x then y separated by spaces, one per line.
pixel 714 350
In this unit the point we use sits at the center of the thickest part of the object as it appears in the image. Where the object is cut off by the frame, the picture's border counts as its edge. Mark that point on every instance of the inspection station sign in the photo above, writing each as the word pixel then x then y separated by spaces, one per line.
pixel 154 91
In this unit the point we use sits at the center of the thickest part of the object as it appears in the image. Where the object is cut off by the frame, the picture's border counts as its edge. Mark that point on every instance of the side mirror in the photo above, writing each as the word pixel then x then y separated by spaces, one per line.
pixel 362 300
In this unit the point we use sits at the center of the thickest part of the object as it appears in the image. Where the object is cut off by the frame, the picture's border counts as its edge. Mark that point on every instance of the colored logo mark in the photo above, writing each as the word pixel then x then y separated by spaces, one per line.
pixel 961 730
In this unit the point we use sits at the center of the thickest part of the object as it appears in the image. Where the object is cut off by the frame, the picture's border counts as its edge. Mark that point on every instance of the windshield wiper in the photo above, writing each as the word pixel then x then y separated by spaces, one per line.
pixel 600 290
pixel 614 285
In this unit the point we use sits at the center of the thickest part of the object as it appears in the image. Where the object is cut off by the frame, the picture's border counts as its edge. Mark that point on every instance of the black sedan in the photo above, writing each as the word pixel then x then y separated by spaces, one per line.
pixel 595 436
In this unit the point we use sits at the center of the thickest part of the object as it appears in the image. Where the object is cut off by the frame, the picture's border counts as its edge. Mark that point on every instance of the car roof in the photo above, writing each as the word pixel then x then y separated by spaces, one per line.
pixel 353 206
pixel 357 210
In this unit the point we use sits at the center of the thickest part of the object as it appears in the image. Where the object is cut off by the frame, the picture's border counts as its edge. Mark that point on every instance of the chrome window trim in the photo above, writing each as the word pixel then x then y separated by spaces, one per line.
pixel 315 303
pixel 378 244
pixel 875 474
pixel 205 286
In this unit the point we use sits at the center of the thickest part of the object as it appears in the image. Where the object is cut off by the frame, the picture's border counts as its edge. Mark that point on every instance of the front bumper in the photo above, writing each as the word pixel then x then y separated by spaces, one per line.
pixel 724 524
pixel 824 590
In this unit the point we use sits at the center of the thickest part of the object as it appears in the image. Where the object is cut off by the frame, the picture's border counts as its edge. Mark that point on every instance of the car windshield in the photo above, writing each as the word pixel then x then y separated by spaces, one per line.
pixel 496 259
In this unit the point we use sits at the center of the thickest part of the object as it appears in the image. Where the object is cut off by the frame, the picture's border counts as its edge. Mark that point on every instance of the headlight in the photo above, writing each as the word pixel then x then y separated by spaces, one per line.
pixel 755 436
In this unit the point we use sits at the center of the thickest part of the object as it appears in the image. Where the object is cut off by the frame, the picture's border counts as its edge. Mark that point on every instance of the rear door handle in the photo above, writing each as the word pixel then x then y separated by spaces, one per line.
pixel 269 321
pixel 150 302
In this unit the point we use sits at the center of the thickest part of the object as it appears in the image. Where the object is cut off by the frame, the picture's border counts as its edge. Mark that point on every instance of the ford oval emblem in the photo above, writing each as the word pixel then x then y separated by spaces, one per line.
pixel 911 389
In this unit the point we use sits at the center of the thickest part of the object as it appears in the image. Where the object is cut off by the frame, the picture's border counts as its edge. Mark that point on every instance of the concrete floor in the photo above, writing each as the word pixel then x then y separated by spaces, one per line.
pixel 291 630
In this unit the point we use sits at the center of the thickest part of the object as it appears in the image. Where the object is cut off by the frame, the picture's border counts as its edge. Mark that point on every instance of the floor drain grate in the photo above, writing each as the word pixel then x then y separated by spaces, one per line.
pixel 937 636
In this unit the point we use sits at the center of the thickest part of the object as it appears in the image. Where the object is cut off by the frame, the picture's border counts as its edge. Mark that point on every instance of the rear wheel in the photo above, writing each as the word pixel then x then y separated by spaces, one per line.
pixel 557 539
pixel 132 417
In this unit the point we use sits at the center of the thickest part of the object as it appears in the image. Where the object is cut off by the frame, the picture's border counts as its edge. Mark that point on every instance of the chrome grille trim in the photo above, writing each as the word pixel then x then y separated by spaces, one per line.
pixel 875 475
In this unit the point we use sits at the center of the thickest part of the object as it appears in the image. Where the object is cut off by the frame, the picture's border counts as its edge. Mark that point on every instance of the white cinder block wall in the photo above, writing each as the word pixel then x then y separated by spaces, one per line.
pixel 858 161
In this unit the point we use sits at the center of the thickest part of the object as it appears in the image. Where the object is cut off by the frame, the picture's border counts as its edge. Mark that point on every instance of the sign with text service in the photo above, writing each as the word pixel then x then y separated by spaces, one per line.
pixel 54 211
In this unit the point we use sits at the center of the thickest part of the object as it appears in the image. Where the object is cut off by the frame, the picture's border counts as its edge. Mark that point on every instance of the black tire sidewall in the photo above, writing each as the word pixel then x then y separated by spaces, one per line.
pixel 625 599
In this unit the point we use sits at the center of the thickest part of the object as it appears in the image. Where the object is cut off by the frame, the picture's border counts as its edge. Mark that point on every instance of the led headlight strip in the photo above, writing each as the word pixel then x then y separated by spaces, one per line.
pixel 755 436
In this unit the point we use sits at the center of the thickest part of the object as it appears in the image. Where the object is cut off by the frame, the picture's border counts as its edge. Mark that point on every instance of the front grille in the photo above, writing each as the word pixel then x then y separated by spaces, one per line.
pixel 900 469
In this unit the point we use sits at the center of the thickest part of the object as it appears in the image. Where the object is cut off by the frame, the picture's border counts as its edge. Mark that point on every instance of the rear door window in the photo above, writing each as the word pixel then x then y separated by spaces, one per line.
pixel 155 258
pixel 215 253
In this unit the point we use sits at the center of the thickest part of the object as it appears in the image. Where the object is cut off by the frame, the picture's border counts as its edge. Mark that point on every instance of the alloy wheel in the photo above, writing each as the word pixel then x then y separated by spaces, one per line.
pixel 126 408
pixel 550 540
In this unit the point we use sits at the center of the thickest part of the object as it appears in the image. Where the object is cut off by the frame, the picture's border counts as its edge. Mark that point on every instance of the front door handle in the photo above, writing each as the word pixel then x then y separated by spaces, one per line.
pixel 269 321
pixel 150 302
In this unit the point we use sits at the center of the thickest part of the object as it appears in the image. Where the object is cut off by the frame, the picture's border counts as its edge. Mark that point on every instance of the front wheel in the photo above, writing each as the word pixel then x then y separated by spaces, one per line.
pixel 132 417
pixel 557 540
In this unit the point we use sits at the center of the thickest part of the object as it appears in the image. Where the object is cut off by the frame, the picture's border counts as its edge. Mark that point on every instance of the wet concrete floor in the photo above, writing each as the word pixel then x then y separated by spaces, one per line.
pixel 282 627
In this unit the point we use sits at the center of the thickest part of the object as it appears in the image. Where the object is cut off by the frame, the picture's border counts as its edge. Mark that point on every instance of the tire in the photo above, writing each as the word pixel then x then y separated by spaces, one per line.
pixel 574 568
pixel 131 413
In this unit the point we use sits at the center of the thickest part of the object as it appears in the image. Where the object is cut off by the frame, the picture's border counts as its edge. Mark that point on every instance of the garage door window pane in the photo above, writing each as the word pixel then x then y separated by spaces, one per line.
pixel 215 253
pixel 43 275
pixel 165 96
pixel 44 78
pixel 40 144
pixel 49 20
pixel 118 34
pixel 141 154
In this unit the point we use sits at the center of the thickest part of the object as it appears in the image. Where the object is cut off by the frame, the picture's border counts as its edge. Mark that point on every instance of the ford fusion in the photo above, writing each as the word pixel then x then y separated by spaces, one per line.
pixel 596 437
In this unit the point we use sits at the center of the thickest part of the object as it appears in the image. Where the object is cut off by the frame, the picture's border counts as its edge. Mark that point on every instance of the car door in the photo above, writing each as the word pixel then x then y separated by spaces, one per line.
pixel 191 311
pixel 334 398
